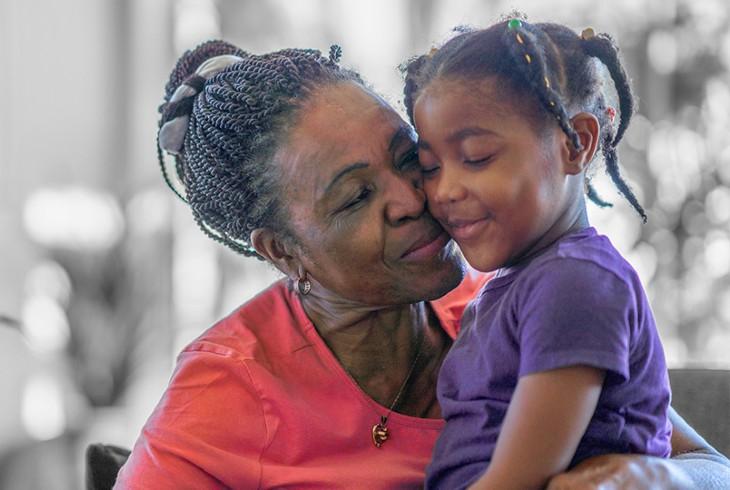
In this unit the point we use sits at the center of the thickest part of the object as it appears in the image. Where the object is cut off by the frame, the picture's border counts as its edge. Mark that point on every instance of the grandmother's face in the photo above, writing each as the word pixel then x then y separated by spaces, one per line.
pixel 352 188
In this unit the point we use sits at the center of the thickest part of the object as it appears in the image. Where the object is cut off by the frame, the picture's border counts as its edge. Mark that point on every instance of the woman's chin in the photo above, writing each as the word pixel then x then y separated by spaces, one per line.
pixel 446 274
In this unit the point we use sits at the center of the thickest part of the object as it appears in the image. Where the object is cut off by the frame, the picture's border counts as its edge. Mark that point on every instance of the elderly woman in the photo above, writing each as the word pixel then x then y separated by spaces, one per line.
pixel 327 378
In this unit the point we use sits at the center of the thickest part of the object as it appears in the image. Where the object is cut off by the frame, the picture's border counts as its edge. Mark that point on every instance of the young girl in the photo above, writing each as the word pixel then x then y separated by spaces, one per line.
pixel 558 358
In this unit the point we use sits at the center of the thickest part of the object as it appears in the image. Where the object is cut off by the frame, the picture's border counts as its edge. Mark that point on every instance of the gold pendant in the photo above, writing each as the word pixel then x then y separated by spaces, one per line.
pixel 380 432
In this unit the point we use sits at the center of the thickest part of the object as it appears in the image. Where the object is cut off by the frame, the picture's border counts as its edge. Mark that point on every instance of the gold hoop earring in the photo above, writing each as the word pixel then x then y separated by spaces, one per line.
pixel 304 286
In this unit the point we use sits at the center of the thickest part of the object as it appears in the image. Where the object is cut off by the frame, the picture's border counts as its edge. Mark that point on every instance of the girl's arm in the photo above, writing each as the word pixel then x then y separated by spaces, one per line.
pixel 545 421
pixel 694 465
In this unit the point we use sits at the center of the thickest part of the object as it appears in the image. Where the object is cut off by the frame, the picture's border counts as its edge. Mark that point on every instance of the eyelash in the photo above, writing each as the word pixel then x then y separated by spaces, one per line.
pixel 479 162
pixel 361 196
pixel 428 172
pixel 431 171
pixel 409 161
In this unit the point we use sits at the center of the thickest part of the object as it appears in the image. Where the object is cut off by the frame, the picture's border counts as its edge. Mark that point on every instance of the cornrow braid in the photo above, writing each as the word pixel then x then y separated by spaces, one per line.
pixel 411 69
pixel 595 197
pixel 335 53
pixel 238 118
pixel 528 56
pixel 603 47
pixel 547 63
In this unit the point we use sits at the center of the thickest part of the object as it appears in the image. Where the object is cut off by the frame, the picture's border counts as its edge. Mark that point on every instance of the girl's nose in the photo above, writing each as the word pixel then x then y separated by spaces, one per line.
pixel 445 187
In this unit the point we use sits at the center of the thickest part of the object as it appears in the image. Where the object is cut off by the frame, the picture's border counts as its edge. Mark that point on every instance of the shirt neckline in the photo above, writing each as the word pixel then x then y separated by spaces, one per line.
pixel 506 276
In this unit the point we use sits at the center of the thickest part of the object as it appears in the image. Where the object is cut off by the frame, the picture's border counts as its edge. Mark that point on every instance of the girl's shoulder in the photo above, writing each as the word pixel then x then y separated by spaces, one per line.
pixel 585 263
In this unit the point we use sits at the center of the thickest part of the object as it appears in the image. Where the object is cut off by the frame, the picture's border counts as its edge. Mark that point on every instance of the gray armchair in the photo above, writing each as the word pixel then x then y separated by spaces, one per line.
pixel 702 398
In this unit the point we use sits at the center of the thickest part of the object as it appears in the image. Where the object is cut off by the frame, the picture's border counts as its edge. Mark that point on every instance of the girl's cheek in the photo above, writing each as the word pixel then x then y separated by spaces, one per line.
pixel 429 189
pixel 433 206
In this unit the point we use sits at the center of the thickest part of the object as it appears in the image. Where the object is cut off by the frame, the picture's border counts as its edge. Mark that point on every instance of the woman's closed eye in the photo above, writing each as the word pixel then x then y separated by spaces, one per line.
pixel 358 199
pixel 408 162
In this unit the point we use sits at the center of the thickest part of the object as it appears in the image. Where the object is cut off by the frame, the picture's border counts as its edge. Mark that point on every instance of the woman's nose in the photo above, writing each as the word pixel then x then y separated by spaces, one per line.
pixel 406 199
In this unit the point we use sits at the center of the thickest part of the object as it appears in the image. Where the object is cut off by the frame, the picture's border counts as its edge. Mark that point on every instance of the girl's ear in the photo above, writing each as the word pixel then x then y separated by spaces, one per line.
pixel 588 129
pixel 276 250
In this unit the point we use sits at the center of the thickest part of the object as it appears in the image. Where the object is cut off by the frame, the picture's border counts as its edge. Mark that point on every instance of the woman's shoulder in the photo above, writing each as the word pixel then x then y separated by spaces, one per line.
pixel 450 307
pixel 269 324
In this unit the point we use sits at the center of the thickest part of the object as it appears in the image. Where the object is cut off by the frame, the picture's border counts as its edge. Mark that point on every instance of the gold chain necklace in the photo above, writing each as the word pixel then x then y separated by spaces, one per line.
pixel 379 431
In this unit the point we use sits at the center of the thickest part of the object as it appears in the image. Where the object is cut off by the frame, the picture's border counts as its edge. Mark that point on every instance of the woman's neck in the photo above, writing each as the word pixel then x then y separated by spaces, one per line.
pixel 378 346
pixel 362 334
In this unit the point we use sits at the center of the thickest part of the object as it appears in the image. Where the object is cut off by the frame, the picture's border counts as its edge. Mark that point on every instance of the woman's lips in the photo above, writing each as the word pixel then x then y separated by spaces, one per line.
pixel 428 249
pixel 466 229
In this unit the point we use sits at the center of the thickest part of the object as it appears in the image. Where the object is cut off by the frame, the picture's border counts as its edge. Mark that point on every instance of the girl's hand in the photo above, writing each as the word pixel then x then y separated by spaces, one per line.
pixel 622 472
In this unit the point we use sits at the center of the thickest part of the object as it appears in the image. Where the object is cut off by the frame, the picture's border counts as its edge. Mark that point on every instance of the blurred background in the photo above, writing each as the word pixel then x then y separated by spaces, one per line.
pixel 104 276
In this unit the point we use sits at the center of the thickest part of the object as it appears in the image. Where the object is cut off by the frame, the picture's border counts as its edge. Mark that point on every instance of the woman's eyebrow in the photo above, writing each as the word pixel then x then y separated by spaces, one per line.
pixel 343 172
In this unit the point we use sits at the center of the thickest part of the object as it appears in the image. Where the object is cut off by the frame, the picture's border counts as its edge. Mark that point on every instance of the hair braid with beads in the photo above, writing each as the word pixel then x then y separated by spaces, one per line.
pixel 545 63
pixel 237 121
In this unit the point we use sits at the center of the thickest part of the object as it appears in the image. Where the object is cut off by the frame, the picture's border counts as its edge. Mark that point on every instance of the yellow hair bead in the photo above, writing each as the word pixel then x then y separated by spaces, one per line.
pixel 547 82
pixel 519 39
pixel 552 103
pixel 528 58
pixel 587 33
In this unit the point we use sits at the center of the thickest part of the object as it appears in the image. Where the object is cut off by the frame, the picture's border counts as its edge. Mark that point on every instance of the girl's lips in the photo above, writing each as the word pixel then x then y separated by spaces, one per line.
pixel 428 249
pixel 466 229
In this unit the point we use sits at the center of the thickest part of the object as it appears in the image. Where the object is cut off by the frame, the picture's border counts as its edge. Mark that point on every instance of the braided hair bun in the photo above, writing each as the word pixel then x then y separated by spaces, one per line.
pixel 237 117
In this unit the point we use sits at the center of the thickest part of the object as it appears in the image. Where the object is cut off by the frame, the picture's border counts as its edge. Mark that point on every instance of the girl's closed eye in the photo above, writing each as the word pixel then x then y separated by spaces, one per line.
pixel 479 160
pixel 429 170
pixel 427 164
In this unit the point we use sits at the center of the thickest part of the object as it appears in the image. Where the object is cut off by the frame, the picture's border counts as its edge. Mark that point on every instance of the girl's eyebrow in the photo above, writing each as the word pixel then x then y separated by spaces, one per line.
pixel 464 133
pixel 460 135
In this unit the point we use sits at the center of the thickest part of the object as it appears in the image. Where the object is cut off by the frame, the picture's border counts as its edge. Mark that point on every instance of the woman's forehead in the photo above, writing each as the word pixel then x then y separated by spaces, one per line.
pixel 344 122
pixel 341 128
pixel 345 106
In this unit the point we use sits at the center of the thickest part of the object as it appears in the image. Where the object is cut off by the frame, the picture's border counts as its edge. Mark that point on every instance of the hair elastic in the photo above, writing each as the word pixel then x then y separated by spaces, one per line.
pixel 175 121
pixel 176 116
pixel 611 113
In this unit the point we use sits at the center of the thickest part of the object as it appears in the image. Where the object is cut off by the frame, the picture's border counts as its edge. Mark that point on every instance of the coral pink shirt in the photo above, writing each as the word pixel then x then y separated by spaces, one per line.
pixel 259 401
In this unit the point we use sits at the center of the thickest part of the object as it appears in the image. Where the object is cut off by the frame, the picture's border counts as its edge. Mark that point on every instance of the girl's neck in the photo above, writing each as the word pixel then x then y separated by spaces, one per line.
pixel 574 219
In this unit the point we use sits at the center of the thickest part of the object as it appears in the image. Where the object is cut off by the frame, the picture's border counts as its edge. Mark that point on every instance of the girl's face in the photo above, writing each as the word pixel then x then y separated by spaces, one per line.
pixel 492 179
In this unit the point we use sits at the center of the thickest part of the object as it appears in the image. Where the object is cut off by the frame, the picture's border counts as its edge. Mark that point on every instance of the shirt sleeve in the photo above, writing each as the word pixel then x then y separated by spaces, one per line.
pixel 185 445
pixel 575 312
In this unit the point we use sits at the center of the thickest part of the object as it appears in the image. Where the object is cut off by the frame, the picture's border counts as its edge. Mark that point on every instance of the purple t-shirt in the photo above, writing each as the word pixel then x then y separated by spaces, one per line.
pixel 577 303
